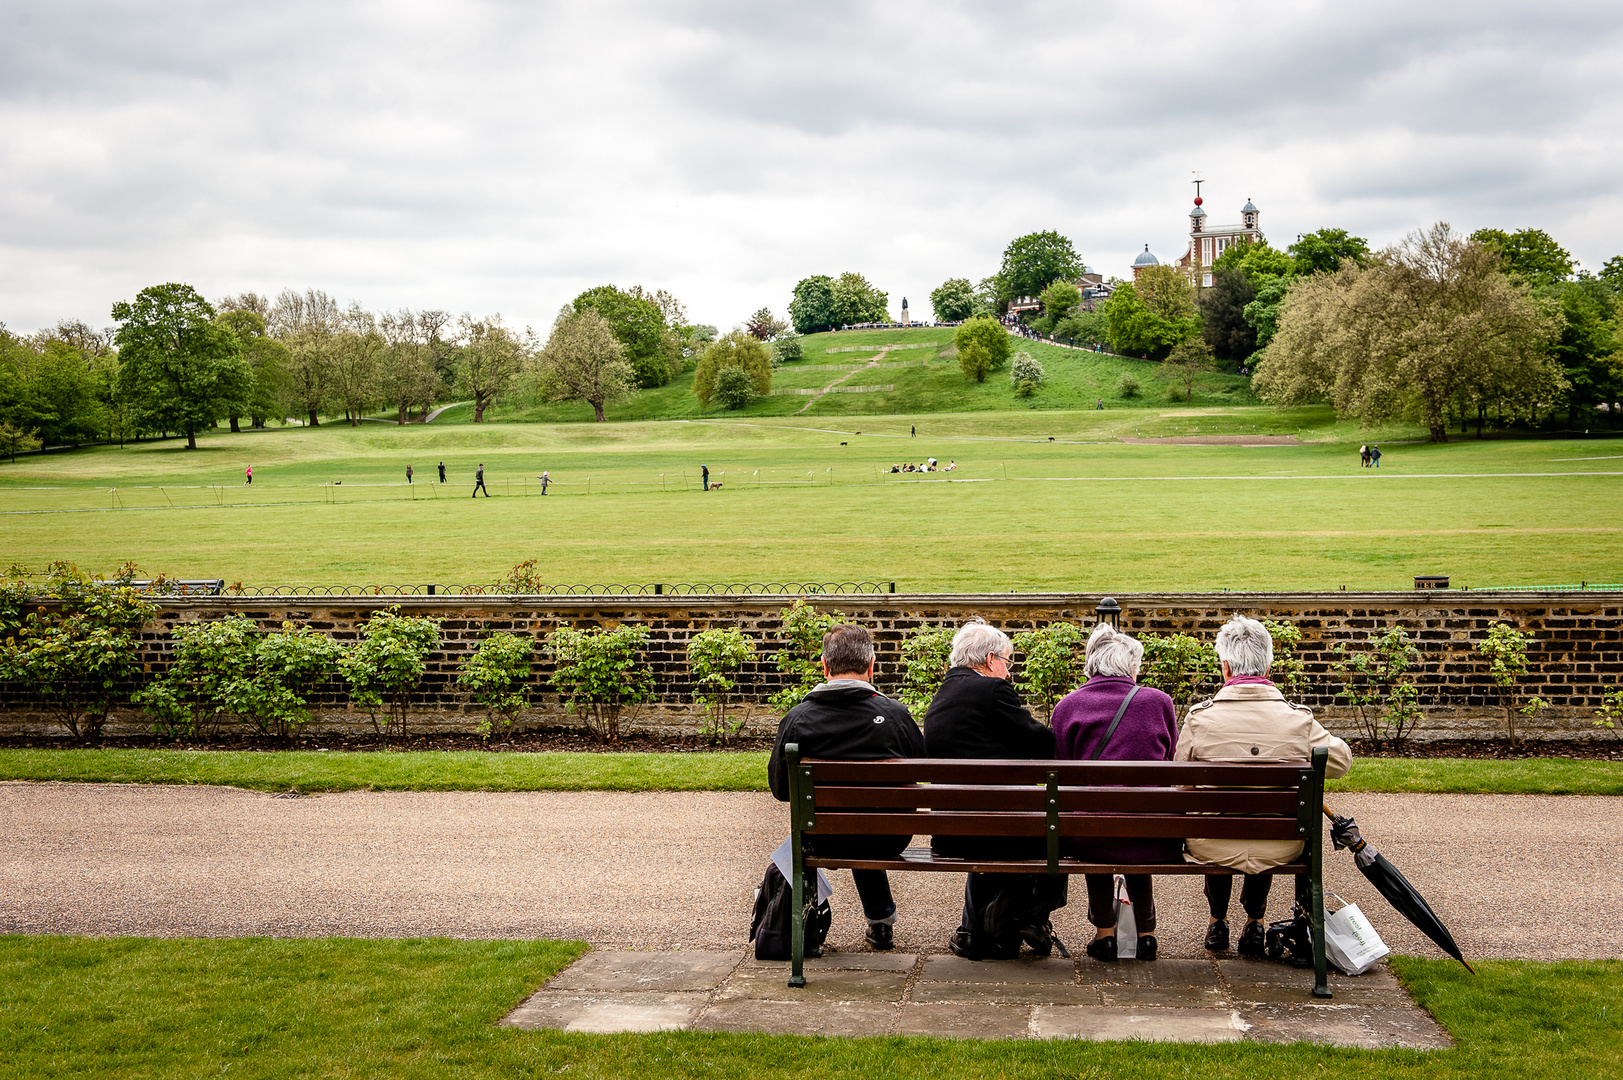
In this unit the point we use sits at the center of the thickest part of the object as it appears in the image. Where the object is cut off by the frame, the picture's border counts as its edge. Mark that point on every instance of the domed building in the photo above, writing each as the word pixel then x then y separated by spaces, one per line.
pixel 1207 242
pixel 1143 261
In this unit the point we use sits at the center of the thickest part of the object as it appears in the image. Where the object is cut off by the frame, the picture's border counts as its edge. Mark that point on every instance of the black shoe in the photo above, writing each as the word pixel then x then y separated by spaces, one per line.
pixel 879 936
pixel 1217 936
pixel 1254 941
pixel 1147 947
pixel 1103 949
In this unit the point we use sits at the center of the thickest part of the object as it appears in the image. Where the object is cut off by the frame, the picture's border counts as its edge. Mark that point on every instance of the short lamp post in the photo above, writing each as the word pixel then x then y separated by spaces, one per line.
pixel 1109 612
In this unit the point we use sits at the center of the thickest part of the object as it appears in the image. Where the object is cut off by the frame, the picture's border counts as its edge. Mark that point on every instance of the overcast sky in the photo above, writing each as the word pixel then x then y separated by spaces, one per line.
pixel 501 157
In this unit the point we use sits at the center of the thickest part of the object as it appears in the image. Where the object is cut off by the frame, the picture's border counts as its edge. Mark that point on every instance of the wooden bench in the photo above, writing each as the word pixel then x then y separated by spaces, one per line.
pixel 1057 800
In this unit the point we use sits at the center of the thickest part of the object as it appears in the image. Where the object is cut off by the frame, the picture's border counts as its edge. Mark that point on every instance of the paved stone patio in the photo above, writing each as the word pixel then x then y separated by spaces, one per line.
pixel 862 993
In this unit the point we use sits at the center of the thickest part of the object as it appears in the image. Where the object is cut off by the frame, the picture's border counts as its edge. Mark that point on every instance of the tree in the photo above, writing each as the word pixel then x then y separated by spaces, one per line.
pixel 308 324
pixel 491 359
pixel 812 308
pixel 1505 649
pixel 1414 334
pixel 653 352
pixel 584 361
pixel 856 301
pixel 1328 250
pixel 765 326
pixel 1152 314
pixel 407 376
pixel 1032 261
pixel 1262 314
pixel 1059 298
pixel 1612 274
pixel 1586 347
pixel 267 361
pixel 989 298
pixel 496 674
pixel 178 368
pixel 1025 373
pixel 603 671
pixel 356 362
pixel 14 438
pixel 1222 315
pixel 1532 253
pixel 1187 362
pixel 983 347
pixel 739 352
pixel 953 300
pixel 1375 680
pixel 787 347
pixel 715 658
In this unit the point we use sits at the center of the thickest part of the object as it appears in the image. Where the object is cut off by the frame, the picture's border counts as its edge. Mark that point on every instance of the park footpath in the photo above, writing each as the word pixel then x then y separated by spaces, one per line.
pixel 662 884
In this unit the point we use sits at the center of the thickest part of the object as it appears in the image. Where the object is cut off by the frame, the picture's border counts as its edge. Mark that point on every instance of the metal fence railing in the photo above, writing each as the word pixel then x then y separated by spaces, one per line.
pixel 762 588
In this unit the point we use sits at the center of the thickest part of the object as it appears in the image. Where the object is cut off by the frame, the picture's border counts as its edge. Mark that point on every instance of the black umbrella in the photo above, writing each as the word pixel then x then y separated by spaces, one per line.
pixel 1393 885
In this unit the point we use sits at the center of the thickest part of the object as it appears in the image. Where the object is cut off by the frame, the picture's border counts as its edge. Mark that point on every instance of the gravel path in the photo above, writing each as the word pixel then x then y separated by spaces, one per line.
pixel 678 869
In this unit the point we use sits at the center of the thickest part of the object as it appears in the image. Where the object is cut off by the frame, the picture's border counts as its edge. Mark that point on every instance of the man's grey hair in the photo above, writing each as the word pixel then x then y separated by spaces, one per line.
pixel 847 650
pixel 1112 653
pixel 975 641
pixel 1246 646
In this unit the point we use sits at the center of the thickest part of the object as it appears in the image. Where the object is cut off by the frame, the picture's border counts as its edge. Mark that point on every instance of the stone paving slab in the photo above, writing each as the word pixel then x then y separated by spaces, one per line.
pixel 877 994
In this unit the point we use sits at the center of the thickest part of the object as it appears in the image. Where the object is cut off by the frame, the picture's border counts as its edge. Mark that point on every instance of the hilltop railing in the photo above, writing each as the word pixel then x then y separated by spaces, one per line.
pixel 735 588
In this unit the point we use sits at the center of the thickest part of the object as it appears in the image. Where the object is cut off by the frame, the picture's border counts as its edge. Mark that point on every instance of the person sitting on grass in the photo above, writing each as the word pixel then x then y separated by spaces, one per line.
pixel 846 719
pixel 1250 720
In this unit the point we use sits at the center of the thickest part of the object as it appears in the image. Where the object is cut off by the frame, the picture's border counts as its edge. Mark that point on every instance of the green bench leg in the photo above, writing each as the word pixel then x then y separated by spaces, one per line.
pixel 797 917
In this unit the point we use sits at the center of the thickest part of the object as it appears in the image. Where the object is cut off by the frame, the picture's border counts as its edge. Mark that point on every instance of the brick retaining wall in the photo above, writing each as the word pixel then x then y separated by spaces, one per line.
pixel 1576 655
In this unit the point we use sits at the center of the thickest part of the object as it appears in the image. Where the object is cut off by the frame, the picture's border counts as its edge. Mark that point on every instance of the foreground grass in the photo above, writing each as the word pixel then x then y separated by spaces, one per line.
pixel 137 1008
pixel 312 771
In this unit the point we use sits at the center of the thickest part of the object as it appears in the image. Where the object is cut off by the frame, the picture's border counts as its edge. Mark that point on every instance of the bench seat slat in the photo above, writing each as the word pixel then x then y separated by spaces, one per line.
pixel 1070 773
pixel 959 823
pixel 919 858
pixel 1164 800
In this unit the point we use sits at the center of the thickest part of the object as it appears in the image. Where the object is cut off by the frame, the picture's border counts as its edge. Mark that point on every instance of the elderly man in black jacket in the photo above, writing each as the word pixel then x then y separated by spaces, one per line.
pixel 978 714
pixel 846 719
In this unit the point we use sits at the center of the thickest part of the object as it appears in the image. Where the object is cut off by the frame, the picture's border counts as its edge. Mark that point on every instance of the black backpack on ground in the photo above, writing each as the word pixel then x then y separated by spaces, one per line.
pixel 774 904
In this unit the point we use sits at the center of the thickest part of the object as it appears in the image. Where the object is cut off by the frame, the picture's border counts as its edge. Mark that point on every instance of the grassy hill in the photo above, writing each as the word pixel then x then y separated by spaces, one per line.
pixel 930 382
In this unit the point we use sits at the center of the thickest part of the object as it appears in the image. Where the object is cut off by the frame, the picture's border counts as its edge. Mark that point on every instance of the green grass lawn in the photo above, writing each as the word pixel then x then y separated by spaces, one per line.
pixel 312 771
pixel 1084 512
pixel 137 1008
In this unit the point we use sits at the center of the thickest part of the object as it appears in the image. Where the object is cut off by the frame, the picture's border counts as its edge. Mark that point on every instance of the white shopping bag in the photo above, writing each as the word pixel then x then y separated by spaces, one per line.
pixel 1126 926
pixel 784 857
pixel 1350 942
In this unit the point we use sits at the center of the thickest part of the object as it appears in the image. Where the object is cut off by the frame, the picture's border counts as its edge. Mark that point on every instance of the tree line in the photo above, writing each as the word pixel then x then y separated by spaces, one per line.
pixel 174 363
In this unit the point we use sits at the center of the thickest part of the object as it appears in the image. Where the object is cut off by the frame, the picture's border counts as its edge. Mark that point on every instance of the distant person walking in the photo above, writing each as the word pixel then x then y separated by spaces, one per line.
pixel 1375 454
pixel 408 474
pixel 442 472
pixel 704 471
pixel 545 480
pixel 1101 404
pixel 479 482
pixel 248 476
pixel 912 431
pixel 1363 456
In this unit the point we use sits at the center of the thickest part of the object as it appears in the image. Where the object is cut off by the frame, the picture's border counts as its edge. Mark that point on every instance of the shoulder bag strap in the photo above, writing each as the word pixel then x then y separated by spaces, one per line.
pixel 1104 742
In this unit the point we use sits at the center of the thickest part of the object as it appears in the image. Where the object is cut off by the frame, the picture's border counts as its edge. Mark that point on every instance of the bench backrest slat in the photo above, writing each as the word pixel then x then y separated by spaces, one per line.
pixel 1070 773
pixel 1164 826
pixel 1165 800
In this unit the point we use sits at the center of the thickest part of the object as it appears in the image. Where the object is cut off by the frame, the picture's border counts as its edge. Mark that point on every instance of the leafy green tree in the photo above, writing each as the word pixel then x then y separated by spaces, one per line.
pixel 14 438
pixel 356 364
pixel 1222 315
pixel 267 361
pixel 989 298
pixel 715 658
pixel 1059 298
pixel 584 361
pixel 1128 385
pixel 387 663
pixel 1262 314
pixel 857 301
pixel 1505 649
pixel 1328 250
pixel 652 350
pixel 1052 664
pixel 1257 261
pixel 1026 374
pixel 288 666
pixel 496 674
pixel 800 657
pixel 308 323
pixel 765 326
pixel 983 347
pixel 736 351
pixel 210 667
pixel 925 653
pixel 953 300
pixel 1408 336
pixel 1187 362
pixel 1611 273
pixel 493 358
pixel 80 654
pixel 787 348
pixel 812 308
pixel 1532 253
pixel 1375 679
pixel 603 672
pixel 179 369
pixel 1586 347
pixel 1033 261
pixel 1135 326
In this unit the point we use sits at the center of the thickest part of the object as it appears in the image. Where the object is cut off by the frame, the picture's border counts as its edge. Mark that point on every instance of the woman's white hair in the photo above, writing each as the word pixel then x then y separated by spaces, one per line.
pixel 1246 646
pixel 975 641
pixel 1112 653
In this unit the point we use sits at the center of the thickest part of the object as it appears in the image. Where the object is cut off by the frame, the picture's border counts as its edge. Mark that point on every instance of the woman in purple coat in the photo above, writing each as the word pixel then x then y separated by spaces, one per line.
pixel 1148 731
